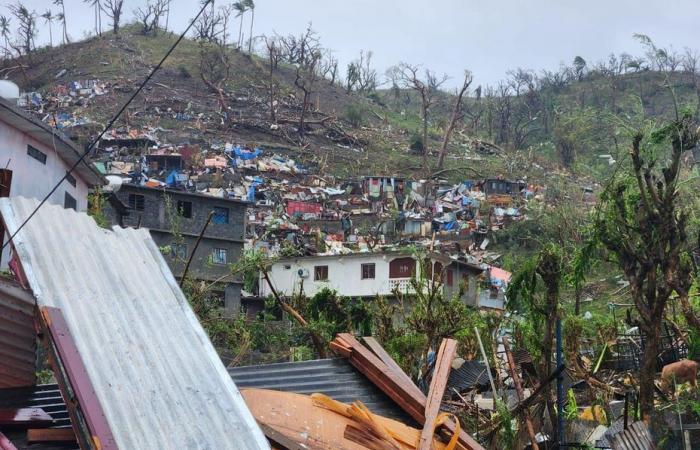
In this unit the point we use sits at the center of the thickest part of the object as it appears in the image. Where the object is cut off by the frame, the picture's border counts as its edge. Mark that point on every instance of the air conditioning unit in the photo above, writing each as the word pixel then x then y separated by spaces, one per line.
pixel 303 273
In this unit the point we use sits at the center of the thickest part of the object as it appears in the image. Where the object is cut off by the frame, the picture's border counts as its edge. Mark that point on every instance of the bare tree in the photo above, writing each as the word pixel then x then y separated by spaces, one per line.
pixel 150 16
pixel 273 54
pixel 113 10
pixel 426 89
pixel 63 20
pixel 208 27
pixel 690 67
pixel 360 76
pixel 215 69
pixel 454 118
pixel 26 29
pixel 306 77
pixel 328 66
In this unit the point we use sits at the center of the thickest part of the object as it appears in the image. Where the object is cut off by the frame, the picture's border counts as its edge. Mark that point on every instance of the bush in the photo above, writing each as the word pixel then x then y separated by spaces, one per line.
pixel 184 73
pixel 355 115
pixel 416 143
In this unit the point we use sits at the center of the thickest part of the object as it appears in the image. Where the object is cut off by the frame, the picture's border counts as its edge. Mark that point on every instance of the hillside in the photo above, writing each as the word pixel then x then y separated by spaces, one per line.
pixel 538 123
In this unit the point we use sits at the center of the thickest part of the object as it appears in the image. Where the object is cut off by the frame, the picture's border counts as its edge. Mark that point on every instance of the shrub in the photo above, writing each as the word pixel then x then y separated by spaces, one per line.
pixel 355 115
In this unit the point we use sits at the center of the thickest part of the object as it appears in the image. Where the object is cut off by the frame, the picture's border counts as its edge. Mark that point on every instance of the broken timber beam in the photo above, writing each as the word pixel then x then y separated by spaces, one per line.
pixel 25 417
pixel 443 364
pixel 51 435
pixel 406 395
pixel 519 392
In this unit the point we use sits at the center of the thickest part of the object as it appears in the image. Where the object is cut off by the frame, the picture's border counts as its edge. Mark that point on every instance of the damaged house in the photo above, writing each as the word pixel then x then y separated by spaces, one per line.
pixel 175 220
pixel 370 275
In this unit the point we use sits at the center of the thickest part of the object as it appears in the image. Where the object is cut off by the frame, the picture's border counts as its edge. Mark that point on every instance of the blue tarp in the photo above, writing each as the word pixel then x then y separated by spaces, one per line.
pixel 251 193
pixel 246 155
pixel 172 178
pixel 450 226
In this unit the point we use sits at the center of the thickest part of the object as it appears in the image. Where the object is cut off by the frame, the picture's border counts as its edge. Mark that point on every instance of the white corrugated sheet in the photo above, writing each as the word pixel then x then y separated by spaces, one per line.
pixel 155 372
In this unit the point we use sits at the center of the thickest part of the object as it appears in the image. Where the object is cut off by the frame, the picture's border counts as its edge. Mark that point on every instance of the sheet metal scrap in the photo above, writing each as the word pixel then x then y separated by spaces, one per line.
pixel 155 374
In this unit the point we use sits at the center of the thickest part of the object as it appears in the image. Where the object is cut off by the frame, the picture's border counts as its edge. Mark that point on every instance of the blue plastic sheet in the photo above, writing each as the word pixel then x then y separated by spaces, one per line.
pixel 246 155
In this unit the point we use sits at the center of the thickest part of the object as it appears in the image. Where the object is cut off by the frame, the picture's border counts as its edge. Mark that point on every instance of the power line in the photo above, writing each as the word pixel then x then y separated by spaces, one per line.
pixel 109 125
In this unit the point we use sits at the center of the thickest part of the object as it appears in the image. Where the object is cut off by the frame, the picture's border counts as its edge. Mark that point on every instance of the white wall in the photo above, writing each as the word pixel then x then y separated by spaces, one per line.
pixel 344 275
pixel 30 178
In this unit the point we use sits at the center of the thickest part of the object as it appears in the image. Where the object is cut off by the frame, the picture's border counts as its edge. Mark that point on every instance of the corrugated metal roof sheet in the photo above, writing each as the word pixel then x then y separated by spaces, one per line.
pixel 155 373
pixel 333 377
pixel 17 336
pixel 46 397
pixel 467 376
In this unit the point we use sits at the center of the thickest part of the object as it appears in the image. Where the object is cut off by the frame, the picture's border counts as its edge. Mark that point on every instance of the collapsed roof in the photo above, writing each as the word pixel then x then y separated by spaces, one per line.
pixel 155 375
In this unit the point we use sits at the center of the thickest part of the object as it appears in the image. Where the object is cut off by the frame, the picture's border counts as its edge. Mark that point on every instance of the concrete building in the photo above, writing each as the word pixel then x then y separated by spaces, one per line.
pixel 34 157
pixel 380 274
pixel 175 220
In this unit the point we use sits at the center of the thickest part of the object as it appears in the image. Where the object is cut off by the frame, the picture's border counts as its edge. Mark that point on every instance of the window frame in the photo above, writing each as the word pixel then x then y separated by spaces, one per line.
pixel 71 179
pixel 319 272
pixel 67 198
pixel 367 276
pixel 178 250
pixel 215 218
pixel 36 154
pixel 135 203
pixel 184 206
pixel 219 251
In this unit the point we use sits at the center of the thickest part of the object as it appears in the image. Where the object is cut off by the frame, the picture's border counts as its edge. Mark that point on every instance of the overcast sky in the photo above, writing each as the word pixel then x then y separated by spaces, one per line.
pixel 488 37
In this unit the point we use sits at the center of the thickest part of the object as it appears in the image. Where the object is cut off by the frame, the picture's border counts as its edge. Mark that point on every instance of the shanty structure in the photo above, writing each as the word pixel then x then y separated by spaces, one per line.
pixel 133 363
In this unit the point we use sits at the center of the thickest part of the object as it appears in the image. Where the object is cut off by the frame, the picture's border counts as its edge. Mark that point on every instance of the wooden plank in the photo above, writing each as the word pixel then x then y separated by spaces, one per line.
pixel 519 392
pixel 280 440
pixel 23 417
pixel 443 364
pixel 386 358
pixel 404 395
pixel 51 435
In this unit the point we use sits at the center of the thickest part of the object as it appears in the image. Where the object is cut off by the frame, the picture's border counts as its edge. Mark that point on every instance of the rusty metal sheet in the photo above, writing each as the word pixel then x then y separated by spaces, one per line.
pixel 155 373
pixel 17 336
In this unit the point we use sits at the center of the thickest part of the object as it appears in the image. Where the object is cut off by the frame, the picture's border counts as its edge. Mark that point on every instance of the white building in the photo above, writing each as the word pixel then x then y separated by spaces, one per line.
pixel 34 157
pixel 379 274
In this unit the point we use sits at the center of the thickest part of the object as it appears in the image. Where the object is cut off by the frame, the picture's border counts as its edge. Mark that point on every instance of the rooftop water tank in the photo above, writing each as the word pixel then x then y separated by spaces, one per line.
pixel 9 90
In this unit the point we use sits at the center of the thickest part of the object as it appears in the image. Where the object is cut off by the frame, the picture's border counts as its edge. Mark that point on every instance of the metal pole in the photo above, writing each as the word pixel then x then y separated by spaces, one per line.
pixel 488 369
pixel 560 388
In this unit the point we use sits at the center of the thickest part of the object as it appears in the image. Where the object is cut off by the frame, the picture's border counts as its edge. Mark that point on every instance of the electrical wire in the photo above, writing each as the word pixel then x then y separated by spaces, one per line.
pixel 109 125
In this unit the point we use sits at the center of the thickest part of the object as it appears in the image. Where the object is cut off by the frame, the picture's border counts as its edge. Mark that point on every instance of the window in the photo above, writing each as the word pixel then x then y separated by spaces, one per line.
pixel 71 179
pixel 184 209
pixel 320 273
pixel 178 251
pixel 220 216
pixel 36 154
pixel 69 202
pixel 402 268
pixel 367 271
pixel 219 256
pixel 137 202
pixel 450 277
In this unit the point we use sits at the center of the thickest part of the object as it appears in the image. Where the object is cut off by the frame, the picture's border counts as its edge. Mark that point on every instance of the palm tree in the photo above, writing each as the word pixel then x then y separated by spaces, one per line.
pixel 62 18
pixel 241 8
pixel 48 18
pixel 250 4
pixel 98 16
pixel 5 32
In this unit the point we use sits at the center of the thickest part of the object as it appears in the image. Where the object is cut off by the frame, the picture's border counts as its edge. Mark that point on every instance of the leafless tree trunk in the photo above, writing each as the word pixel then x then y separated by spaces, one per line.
pixel 454 118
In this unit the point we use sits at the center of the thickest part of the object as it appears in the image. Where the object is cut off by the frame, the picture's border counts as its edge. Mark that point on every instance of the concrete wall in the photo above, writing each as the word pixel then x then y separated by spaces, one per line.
pixel 31 178
pixel 344 275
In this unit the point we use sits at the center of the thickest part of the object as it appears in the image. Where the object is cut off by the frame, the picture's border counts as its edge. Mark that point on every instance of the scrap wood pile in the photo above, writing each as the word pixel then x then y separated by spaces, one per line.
pixel 293 421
